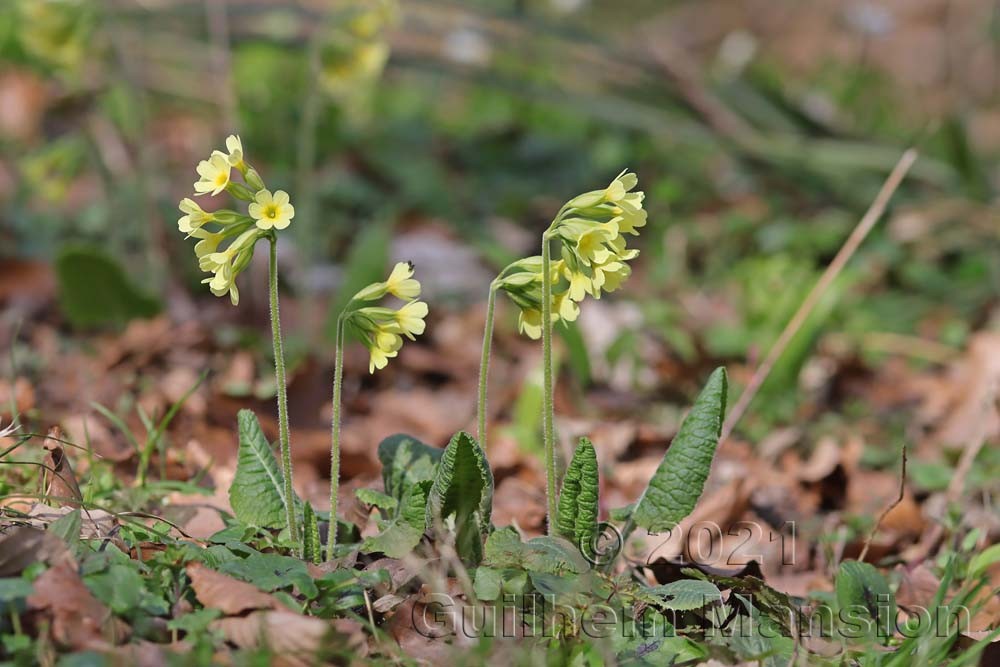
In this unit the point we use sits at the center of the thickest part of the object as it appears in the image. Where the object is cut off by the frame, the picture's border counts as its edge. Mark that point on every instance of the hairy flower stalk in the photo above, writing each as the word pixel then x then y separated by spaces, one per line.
pixel 548 389
pixel 282 392
pixel 484 365
pixel 592 259
pixel 338 372
pixel 226 242
pixel 381 330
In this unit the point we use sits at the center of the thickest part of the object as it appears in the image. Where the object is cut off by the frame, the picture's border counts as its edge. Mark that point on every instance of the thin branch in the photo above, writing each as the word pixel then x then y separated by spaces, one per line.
pixel 844 255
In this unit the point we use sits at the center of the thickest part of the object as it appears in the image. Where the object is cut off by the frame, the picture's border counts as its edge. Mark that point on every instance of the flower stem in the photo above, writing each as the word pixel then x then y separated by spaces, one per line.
pixel 484 366
pixel 338 372
pixel 548 401
pixel 282 391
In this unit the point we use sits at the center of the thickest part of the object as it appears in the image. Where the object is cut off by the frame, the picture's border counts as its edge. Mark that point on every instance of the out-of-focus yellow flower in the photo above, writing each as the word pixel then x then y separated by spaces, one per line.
pixel 564 308
pixel 271 210
pixel 410 319
pixel 224 282
pixel 194 217
pixel 386 345
pixel 401 283
pixel 529 322
pixel 214 174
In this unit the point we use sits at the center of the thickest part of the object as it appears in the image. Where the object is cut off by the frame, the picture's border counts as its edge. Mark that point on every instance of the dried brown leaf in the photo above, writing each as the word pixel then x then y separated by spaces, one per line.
pixel 78 619
pixel 230 596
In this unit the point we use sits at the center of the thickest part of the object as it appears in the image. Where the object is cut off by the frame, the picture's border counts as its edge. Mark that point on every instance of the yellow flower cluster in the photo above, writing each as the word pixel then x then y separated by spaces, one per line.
pixel 267 211
pixel 356 49
pixel 593 256
pixel 382 329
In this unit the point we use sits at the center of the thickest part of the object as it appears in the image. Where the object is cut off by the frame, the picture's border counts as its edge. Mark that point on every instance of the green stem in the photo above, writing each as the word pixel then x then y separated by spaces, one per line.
pixel 484 366
pixel 282 391
pixel 338 372
pixel 548 401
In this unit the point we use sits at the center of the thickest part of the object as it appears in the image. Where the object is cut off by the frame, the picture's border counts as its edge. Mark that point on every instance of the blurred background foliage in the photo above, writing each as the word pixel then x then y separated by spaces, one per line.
pixel 760 131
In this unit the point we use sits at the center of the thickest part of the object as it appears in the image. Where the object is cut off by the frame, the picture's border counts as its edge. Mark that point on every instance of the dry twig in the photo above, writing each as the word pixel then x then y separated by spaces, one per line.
pixel 845 253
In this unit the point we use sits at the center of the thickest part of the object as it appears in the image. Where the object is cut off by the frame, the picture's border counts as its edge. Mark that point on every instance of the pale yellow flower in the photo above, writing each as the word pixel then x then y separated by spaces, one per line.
pixel 563 307
pixel 624 182
pixel 529 322
pixel 385 346
pixel 214 174
pixel 401 283
pixel 235 147
pixel 590 246
pixel 410 318
pixel 223 282
pixel 194 217
pixel 271 210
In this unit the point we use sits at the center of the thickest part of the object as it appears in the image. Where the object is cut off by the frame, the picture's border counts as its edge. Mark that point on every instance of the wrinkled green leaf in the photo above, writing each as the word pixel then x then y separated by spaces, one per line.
pixel 686 594
pixel 406 529
pixel 311 548
pixel 257 493
pixel 680 478
pixel 863 592
pixel 271 572
pixel 461 498
pixel 405 462
pixel 376 499
pixel 488 583
pixel 550 555
pixel 576 517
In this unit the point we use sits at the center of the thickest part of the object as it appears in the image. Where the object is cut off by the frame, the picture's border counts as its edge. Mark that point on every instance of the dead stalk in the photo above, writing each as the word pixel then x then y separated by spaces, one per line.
pixel 844 255
pixel 889 508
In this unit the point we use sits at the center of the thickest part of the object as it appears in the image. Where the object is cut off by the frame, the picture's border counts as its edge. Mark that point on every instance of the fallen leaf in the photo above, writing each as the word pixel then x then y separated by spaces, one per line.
pixel 284 632
pixel 78 620
pixel 230 596
pixel 21 546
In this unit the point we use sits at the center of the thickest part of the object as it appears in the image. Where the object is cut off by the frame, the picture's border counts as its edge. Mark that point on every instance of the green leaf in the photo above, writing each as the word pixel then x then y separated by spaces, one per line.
pixel 311 548
pixel 550 555
pixel 863 591
pixel 376 499
pixel 14 588
pixel 271 572
pixel 67 528
pixel 461 498
pixel 405 462
pixel 686 594
pixel 194 622
pixel 406 529
pixel 488 583
pixel 95 290
pixel 679 480
pixel 576 516
pixel 983 560
pixel 257 493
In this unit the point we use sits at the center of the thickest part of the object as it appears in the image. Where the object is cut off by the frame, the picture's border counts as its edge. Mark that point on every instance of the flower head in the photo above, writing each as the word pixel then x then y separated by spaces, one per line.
pixel 384 346
pixel 401 283
pixel 194 217
pixel 271 210
pixel 235 147
pixel 410 319
pixel 214 174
